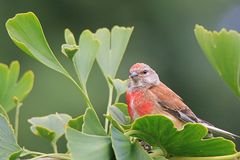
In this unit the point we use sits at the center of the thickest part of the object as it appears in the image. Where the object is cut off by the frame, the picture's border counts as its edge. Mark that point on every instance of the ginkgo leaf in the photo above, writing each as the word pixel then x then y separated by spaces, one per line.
pixel 50 127
pixel 89 147
pixel 91 123
pixel 158 130
pixel 70 48
pixel 84 58
pixel 11 87
pixel 76 123
pixel 8 144
pixel 26 32
pixel 112 48
pixel 223 51
pixel 119 85
pixel 125 149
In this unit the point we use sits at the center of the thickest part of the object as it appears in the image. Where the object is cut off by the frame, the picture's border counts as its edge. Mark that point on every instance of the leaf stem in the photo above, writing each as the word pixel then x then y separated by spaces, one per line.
pixel 38 155
pixel 28 152
pixel 84 93
pixel 117 98
pixel 110 87
pixel 228 157
pixel 131 132
pixel 59 156
pixel 156 153
pixel 17 113
pixel 54 146
pixel 4 113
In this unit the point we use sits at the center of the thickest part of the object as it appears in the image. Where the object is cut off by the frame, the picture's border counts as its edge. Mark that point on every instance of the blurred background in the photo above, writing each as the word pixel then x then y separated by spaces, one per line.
pixel 163 38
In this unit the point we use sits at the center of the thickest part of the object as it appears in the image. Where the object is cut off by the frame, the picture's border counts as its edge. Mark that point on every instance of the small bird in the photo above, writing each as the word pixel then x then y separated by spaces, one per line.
pixel 146 94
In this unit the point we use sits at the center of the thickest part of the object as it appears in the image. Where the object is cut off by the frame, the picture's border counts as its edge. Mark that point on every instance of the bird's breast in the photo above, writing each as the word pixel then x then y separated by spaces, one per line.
pixel 139 104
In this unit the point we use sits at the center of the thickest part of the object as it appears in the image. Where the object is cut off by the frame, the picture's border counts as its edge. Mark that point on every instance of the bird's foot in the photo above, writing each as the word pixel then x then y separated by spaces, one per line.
pixel 147 147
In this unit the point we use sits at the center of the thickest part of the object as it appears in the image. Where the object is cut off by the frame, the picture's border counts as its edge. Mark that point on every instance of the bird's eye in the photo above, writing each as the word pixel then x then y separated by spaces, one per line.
pixel 145 72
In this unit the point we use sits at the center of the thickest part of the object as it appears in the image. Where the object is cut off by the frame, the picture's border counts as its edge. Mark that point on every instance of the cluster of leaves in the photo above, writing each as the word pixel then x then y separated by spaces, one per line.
pixel 86 137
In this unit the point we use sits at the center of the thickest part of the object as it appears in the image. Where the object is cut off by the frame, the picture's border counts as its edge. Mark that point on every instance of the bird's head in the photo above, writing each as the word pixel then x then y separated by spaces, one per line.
pixel 141 75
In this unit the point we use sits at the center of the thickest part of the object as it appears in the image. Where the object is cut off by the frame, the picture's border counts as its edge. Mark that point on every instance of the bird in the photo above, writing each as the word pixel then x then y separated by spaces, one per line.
pixel 147 95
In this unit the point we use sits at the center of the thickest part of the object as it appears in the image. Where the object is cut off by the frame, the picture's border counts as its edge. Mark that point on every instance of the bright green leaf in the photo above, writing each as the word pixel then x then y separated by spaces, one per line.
pixel 228 157
pixel 70 48
pixel 91 123
pixel 26 32
pixel 8 144
pixel 15 155
pixel 89 147
pixel 76 123
pixel 69 37
pixel 45 133
pixel 112 47
pixel 50 127
pixel 118 115
pixel 158 131
pixel 115 124
pixel 84 58
pixel 124 149
pixel 119 85
pixel 123 107
pixel 11 87
pixel 223 51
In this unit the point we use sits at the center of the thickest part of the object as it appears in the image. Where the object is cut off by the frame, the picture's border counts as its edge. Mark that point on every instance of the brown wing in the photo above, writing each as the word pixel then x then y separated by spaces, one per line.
pixel 172 103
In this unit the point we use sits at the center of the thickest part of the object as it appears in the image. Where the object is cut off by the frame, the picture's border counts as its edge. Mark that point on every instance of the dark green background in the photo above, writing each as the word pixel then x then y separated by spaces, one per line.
pixel 163 38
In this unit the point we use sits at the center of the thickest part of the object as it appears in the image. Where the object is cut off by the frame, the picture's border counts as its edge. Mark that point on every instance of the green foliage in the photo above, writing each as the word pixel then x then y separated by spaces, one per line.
pixel 86 137
pixel 3 112
pixel 84 58
pixel 119 115
pixel 120 87
pixel 90 147
pixel 11 88
pixel 112 47
pixel 223 51
pixel 76 123
pixel 70 48
pixel 125 149
pixel 8 144
pixel 160 132
pixel 91 123
pixel 26 32
pixel 50 127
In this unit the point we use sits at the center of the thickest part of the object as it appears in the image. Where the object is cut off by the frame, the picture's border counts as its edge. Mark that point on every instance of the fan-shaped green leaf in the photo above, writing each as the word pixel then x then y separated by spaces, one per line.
pixel 26 32
pixel 91 123
pixel 123 107
pixel 118 115
pixel 112 47
pixel 84 58
pixel 89 147
pixel 11 87
pixel 223 51
pixel 70 48
pixel 69 37
pixel 158 130
pixel 124 149
pixel 50 127
pixel 119 85
pixel 8 144
pixel 76 123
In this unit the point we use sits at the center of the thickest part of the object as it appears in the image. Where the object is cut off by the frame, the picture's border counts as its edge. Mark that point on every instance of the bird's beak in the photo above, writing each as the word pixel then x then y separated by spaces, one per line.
pixel 133 74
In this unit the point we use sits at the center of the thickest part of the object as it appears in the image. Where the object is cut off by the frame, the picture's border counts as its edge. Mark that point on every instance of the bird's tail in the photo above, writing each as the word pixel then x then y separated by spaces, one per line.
pixel 221 132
